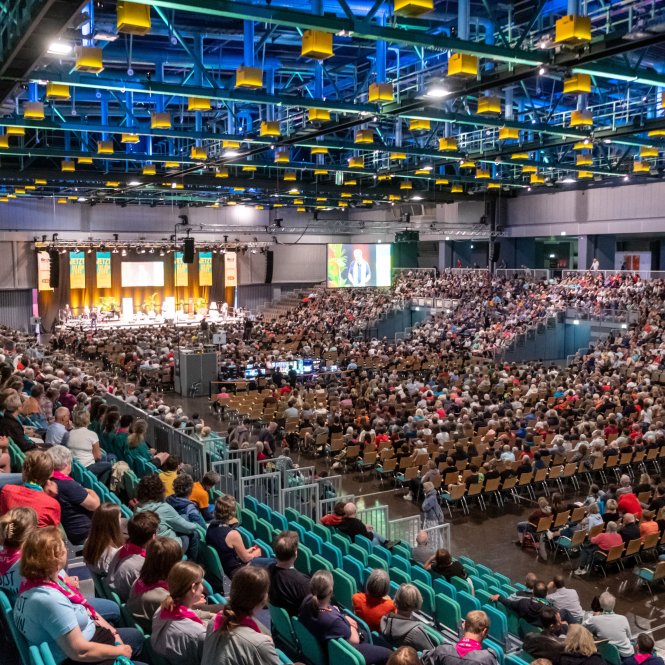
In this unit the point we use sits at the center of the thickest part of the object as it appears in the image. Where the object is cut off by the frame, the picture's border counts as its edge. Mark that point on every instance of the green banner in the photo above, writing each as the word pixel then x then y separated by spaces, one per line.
pixel 205 268
pixel 77 270
pixel 103 270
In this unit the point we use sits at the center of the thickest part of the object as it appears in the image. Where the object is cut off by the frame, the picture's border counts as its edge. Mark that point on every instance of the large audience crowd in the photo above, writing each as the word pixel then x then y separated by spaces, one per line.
pixel 442 395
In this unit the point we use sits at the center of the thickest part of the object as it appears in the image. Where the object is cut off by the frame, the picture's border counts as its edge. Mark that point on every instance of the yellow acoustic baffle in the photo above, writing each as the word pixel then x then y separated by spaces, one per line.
pixel 346 195
pixel 4 141
pixel 320 171
pixel 647 151
pixel 394 197
pixel 573 30
pixel 160 121
pixel 527 168
pixel 113 183
pixel 4 199
pixel 321 199
pixel 413 7
pixel 457 189
pixel 57 91
pixel 350 183
pixel 15 131
pixel 88 59
pixel 40 181
pixel 356 162
pixel 656 133
pixel 33 110
pixel 581 119
pixel 493 185
pixel 249 77
pixel 397 155
pixel 509 134
pixel 290 176
pixel 301 209
pixel 198 153
pixel 61 200
pixel 448 145
pixel 298 202
pixel 67 166
pixel 482 174
pixel 406 184
pixel 198 104
pixel 463 65
pixel 222 172
pixel 577 85
pixel 84 160
pixel 537 179
pixel 249 169
pixel 364 136
pixel 171 165
pixel 584 175
pixel 231 145
pixel 133 18
pixel 467 164
pixel 342 204
pixel 419 124
pixel 149 169
pixel 19 190
pixel 269 128
pixel 177 185
pixel 384 176
pixel 641 167
pixel 381 92
pixel 441 181
pixel 129 138
pixel 319 150
pixel 367 202
pixel 104 147
pixel 259 207
pixel 581 145
pixel 489 105
pixel 422 172
pixel 282 157
pixel 318 115
pixel 584 159
pixel 317 45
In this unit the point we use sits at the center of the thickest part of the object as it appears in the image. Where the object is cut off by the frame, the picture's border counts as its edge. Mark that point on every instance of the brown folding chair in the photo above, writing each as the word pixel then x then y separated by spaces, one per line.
pixel 603 559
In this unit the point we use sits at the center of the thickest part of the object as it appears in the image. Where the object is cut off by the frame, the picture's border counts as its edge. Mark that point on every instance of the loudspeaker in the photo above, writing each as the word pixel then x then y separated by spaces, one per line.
pixel 54 269
pixel 270 260
pixel 188 250
pixel 495 251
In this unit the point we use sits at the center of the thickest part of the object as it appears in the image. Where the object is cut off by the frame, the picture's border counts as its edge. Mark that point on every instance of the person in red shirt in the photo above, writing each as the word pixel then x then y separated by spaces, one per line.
pixel 629 503
pixel 603 541
pixel 36 491
pixel 375 602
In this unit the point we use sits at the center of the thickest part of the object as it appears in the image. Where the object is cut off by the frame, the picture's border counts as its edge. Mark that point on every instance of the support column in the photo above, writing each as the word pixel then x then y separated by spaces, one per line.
pixel 445 255
pixel 583 253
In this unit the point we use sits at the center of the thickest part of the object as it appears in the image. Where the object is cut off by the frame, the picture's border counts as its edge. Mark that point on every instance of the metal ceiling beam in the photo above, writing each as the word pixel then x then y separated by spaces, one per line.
pixel 360 28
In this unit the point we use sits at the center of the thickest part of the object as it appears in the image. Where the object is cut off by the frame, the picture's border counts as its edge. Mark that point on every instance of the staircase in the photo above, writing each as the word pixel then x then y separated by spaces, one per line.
pixel 273 310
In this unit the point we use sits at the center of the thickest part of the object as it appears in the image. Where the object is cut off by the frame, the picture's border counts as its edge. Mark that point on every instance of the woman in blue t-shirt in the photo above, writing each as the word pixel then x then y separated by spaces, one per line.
pixel 48 610
pixel 326 622
pixel 15 525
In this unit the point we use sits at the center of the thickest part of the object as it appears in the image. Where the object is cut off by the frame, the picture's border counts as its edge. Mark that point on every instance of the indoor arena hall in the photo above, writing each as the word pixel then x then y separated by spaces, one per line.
pixel 332 332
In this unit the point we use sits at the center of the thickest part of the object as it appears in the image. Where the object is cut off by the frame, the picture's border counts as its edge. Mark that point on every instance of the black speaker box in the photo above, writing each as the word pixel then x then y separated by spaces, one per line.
pixel 188 250
pixel 270 261
pixel 54 269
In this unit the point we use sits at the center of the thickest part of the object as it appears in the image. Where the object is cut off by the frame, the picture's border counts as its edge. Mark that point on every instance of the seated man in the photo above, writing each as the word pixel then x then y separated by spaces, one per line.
pixel 469 649
pixel 564 599
pixel 127 562
pixel 528 609
pixel 56 432
pixel 548 643
pixel 422 552
pixel 610 626
pixel 288 586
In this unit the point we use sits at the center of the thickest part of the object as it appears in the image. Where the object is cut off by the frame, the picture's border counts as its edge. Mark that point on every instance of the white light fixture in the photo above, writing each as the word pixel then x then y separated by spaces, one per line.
pixel 59 48
pixel 624 326
pixel 82 199
pixel 427 167
pixel 553 256
pixel 231 153
pixel 134 183
pixel 568 181
pixel 563 233
pixel 416 198
pixel 542 71
pixel 436 89
pixel 576 322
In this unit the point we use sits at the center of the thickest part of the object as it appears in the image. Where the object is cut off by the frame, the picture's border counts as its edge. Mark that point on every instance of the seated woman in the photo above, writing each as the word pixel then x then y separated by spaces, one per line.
pixel 150 588
pixel 400 628
pixel 224 538
pixel 150 494
pixel 611 513
pixel 104 540
pixel 372 605
pixel 184 506
pixel 178 631
pixel 235 636
pixel 327 622
pixel 77 504
pixel 443 564
pixel 84 444
pixel 137 448
pixel 15 527
pixel 48 610
pixel 531 524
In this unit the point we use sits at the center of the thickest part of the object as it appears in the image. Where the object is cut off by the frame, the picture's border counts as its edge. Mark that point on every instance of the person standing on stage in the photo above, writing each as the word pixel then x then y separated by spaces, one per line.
pixel 248 329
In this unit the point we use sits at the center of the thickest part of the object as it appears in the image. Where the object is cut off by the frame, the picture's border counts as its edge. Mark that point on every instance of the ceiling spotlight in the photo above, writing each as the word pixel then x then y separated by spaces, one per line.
pixel 436 89
pixel 416 198
pixel 59 48
pixel 626 178
pixel 608 141
pixel 427 167
pixel 231 153
pixel 161 252
pixel 542 71
pixel 124 252
pixel 115 250
pixel 568 181
pixel 134 183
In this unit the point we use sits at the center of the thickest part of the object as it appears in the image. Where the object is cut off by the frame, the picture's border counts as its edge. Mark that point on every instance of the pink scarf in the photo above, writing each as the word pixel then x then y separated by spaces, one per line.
pixel 72 595
pixel 247 621
pixel 466 645
pixel 59 475
pixel 129 549
pixel 178 613
pixel 8 557
pixel 140 587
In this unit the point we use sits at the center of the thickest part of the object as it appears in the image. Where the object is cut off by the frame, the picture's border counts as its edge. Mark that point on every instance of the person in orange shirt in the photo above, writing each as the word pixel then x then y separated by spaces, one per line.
pixel 201 493
pixel 648 525
pixel 374 603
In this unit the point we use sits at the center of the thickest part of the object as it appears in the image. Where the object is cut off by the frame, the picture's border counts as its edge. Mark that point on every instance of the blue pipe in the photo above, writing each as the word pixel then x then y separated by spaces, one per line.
pixel 381 54
pixel 248 43
pixel 33 92
pixel 159 76
pixel 245 116
pixel 230 119
pixel 88 28
pixel 105 115
pixel 463 16
pixel 270 89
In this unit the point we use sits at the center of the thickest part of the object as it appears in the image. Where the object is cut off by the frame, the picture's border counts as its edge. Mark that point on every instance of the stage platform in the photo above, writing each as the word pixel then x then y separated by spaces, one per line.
pixel 146 322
